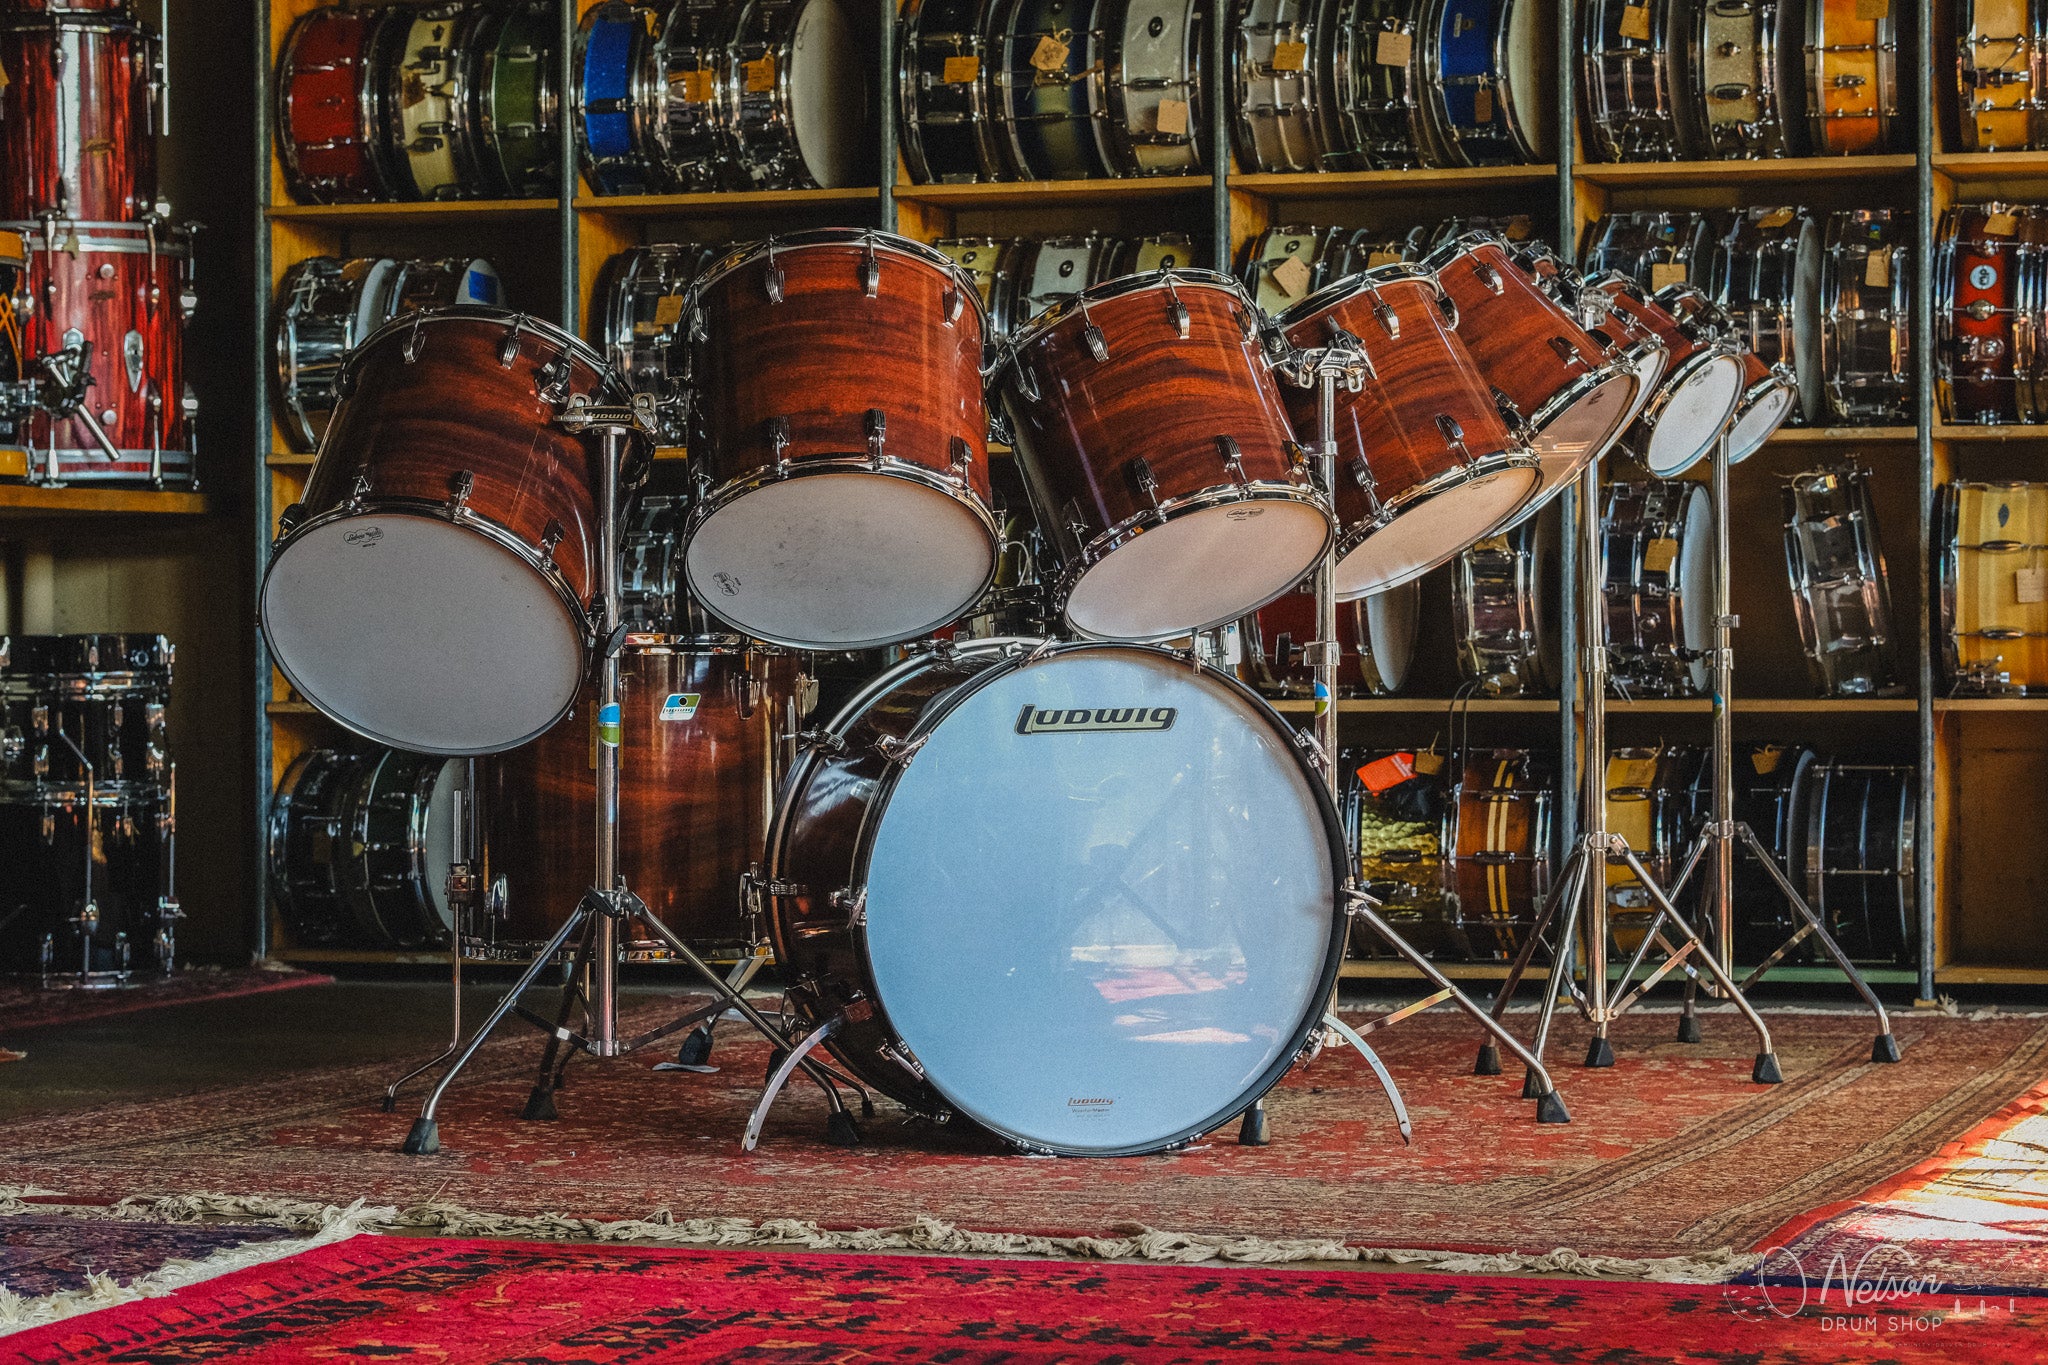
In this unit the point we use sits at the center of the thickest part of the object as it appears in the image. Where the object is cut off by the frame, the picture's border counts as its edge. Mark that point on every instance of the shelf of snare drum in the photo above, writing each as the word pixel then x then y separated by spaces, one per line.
pixel 436 210
pixel 1971 433
pixel 1345 184
pixel 1990 704
pixel 1837 435
pixel 289 459
pixel 1965 167
pixel 1781 170
pixel 722 203
pixel 39 500
pixel 290 708
pixel 1005 194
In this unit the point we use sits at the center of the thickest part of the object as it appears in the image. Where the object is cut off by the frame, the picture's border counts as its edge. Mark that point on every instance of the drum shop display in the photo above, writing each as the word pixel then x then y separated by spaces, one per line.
pixel 1841 593
pixel 1656 574
pixel 1991 613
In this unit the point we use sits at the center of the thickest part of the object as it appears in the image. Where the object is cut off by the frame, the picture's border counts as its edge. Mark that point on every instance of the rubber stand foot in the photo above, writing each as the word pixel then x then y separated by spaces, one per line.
pixel 1488 1061
pixel 867 1107
pixel 388 1103
pixel 1689 1029
pixel 1550 1109
pixel 1532 1089
pixel 696 1048
pixel 540 1106
pixel 1600 1053
pixel 1253 1132
pixel 841 1130
pixel 1885 1048
pixel 1766 1072
pixel 424 1139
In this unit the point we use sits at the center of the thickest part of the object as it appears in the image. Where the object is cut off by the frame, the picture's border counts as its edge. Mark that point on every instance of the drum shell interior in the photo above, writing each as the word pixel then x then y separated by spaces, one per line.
pixel 80 114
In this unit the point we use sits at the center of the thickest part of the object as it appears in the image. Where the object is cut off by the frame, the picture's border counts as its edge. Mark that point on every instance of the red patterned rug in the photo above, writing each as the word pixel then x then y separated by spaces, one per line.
pixel 1673 1151
pixel 472 1302
pixel 24 1006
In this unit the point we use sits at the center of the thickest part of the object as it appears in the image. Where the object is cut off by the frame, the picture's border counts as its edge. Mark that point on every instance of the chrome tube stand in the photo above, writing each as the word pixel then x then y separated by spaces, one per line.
pixel 591 986
pixel 460 890
pixel 1579 891
pixel 1343 359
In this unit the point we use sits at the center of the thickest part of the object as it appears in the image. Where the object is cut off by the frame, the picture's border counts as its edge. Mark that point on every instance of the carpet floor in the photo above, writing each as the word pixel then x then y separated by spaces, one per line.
pixel 24 1006
pixel 471 1302
pixel 1674 1151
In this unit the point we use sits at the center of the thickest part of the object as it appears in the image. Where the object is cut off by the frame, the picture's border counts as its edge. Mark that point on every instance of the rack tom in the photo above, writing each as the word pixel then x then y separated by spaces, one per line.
pixel 81 113
pixel 1703 382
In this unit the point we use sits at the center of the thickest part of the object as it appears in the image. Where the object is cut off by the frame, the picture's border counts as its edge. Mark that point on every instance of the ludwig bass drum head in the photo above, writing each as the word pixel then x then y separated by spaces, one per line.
pixel 1434 531
pixel 1703 397
pixel 1101 902
pixel 420 634
pixel 826 95
pixel 1199 569
pixel 840 561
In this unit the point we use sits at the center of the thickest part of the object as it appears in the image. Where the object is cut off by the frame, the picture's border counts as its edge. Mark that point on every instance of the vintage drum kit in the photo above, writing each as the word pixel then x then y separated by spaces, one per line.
pixel 88 809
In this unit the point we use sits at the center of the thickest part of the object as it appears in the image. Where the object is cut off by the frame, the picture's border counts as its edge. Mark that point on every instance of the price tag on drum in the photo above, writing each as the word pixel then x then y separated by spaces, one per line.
pixel 1664 274
pixel 760 74
pixel 1428 763
pixel 1659 553
pixel 2001 224
pixel 1777 218
pixel 2030 586
pixel 1871 10
pixel 1173 118
pixel 1375 259
pixel 1290 56
pixel 698 87
pixel 12 249
pixel 1292 277
pixel 1764 759
pixel 1050 54
pixel 1877 268
pixel 1482 105
pixel 1392 49
pixel 1635 22
pixel 1518 228
pixel 668 310
pixel 961 71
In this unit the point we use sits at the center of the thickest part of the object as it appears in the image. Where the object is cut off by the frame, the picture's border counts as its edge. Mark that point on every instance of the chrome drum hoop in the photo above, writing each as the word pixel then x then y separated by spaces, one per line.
pixel 1349 538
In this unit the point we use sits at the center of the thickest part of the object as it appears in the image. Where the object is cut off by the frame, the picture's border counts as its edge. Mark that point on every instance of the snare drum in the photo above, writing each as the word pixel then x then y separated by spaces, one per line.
pixel 993 264
pixel 1852 78
pixel 1771 785
pixel 1631 102
pixel 1426 464
pixel 1653 248
pixel 1499 821
pixel 840 443
pixel 1161 251
pixel 81 115
pixel 1489 80
pixel 641 297
pixel 1742 58
pixel 1377 634
pixel 619 98
pixel 125 290
pixel 1273 283
pixel 1999 77
pixel 689 134
pixel 1861 873
pixel 1151 431
pixel 1864 340
pixel 1504 597
pixel 1271 92
pixel 650 582
pixel 1980 313
pixel 1154 56
pixel 430 590
pixel 332 104
pixel 1369 114
pixel 1766 279
pixel 1704 381
pixel 800 97
pixel 945 77
pixel 429 138
pixel 1841 594
pixel 1985 535
pixel 1050 90
pixel 46 849
pixel 1656 576
pixel 506 72
pixel 1053 271
pixel 701 721
pixel 1653 803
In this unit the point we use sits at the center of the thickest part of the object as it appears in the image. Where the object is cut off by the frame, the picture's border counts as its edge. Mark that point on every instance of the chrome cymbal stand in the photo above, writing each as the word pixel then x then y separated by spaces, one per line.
pixel 1580 888
pixel 591 987
pixel 1343 360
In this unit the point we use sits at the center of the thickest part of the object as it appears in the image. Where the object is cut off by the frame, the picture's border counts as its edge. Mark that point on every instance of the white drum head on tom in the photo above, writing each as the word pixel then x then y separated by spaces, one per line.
pixel 1648 364
pixel 437 854
pixel 422 635
pixel 1584 429
pixel 1698 406
pixel 1695 581
pixel 373 299
pixel 1530 85
pixel 840 560
pixel 1392 619
pixel 1199 569
pixel 1806 360
pixel 1100 902
pixel 1434 531
pixel 1758 419
pixel 825 88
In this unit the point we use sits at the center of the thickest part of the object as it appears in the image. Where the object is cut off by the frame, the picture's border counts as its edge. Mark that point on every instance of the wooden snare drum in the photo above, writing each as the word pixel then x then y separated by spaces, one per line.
pixel 1979 260
pixel 81 115
pixel 1153 437
pixel 1852 77
pixel 1999 77
pixel 1498 824
pixel 430 590
pixel 841 441
pixel 1988 539
pixel 1426 464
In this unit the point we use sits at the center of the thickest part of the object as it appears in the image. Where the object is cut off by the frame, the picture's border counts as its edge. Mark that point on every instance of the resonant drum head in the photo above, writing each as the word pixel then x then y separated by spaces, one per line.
pixel 1703 397
pixel 840 560
pixel 824 81
pixel 1434 531
pixel 1585 428
pixel 1806 312
pixel 1101 902
pixel 1756 420
pixel 396 624
pixel 437 850
pixel 1696 580
pixel 1392 620
pixel 1199 569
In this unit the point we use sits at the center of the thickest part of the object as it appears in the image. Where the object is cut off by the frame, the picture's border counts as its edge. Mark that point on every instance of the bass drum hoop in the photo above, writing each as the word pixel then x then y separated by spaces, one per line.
pixel 1018 653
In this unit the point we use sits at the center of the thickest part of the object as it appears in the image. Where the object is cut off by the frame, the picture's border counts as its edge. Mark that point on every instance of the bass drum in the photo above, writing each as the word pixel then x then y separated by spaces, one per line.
pixel 1861 876
pixel 1085 896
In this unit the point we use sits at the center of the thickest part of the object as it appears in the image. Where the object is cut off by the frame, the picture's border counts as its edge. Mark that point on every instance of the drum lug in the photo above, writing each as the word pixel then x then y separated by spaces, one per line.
pixel 1454 437
pixel 462 485
pixel 870 271
pixel 1488 277
pixel 508 349
pixel 550 536
pixel 1511 415
pixel 359 490
pixel 772 277
pixel 1362 472
pixel 898 752
pixel 289 519
pixel 899 1053
pixel 1313 747
pixel 1567 352
pixel 1233 457
pixel 963 459
pixel 553 377
pixel 952 302
pixel 1176 311
pixel 854 903
pixel 1092 338
pixel 1143 479
pixel 778 441
pixel 824 741
pixel 876 424
pixel 417 340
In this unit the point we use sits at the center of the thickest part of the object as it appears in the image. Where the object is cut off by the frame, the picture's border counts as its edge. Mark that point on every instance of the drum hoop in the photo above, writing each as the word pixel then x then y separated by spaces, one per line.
pixel 883 242
pixel 1345 288
pixel 567 342
pixel 1555 406
pixel 1018 653
pixel 108 686
pixel 71 795
pixel 1706 355
pixel 1191 277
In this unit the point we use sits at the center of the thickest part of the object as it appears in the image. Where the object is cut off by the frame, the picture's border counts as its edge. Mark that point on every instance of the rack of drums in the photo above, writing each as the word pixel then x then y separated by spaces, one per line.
pixel 88 808
pixel 96 280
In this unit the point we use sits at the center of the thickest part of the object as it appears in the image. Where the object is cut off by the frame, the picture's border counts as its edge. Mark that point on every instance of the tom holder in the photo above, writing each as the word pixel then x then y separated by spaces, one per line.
pixel 591 985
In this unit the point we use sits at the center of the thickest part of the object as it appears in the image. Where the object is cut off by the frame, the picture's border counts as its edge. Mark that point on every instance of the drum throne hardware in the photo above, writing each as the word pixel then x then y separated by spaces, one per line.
pixel 610 905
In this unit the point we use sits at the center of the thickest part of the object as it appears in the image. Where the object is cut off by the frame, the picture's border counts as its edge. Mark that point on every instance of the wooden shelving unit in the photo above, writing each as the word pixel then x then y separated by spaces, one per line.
pixel 25 500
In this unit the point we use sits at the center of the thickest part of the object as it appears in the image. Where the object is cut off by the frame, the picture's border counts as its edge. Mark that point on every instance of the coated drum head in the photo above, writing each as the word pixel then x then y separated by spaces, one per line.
pixel 1806 310
pixel 1761 414
pixel 1200 569
pixel 437 853
pixel 1392 619
pixel 1435 530
pixel 421 634
pixel 1101 902
pixel 824 78
pixel 1586 426
pixel 1694 411
pixel 1695 570
pixel 840 560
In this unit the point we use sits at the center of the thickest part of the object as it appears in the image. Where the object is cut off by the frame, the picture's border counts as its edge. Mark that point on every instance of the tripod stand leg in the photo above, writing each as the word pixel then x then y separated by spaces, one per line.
pixel 540 1105
pixel 1379 1069
pixel 1766 1070
pixel 1561 968
pixel 1488 1061
pixel 1885 1048
pixel 390 1101
pixel 696 1047
pixel 425 1137
pixel 840 1129
pixel 1549 1105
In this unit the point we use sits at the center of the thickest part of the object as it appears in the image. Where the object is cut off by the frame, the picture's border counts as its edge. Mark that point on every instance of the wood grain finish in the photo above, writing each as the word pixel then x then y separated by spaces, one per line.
pixel 1501 868
pixel 1851 77
pixel 78 116
pixel 1525 343
pixel 326 135
pixel 694 795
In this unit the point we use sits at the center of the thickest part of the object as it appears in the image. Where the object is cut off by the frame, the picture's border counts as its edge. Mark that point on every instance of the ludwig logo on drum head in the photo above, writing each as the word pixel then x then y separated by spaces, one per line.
pixel 364 538
pixel 1068 721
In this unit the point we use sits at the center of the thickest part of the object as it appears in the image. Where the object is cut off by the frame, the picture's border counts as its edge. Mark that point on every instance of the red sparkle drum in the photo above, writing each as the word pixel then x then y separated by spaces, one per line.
pixel 1426 463
pixel 430 591
pixel 840 441
pixel 1705 380
pixel 125 290
pixel 332 106
pixel 1154 440
pixel 78 114
pixel 1574 396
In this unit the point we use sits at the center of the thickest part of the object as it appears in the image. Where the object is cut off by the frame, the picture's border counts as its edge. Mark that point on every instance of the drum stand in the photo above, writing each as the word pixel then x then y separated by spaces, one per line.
pixel 1323 368
pixel 609 905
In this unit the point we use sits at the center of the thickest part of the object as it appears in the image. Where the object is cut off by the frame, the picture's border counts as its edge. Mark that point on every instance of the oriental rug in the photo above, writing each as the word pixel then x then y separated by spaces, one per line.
pixel 47 1253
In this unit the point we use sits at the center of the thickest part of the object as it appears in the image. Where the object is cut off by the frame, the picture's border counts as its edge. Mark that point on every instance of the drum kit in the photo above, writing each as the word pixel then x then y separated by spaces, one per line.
pixel 96 281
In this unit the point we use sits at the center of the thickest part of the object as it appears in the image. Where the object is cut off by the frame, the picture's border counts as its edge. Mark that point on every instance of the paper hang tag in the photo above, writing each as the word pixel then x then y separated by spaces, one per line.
pixel 1635 22
pixel 1624 773
pixel 1290 56
pixel 760 74
pixel 1482 105
pixel 1050 54
pixel 648 329
pixel 1382 774
pixel 1172 118
pixel 2001 224
pixel 1428 763
pixel 1659 553
pixel 1877 268
pixel 1375 259
pixel 1292 277
pixel 412 89
pixel 2030 586
pixel 668 310
pixel 961 71
pixel 1869 10
pixel 1664 274
pixel 1764 759
pixel 698 87
pixel 1518 228
pixel 1392 49
pixel 4 82
pixel 1777 218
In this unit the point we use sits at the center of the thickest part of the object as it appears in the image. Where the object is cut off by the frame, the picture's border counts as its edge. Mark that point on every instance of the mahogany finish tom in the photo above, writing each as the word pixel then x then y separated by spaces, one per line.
pixel 700 720
pixel 430 591
pixel 79 114
pixel 1426 464
pixel 1154 440
pixel 841 441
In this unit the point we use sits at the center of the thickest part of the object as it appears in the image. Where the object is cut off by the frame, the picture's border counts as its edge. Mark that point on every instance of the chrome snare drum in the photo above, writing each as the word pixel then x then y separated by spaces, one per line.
pixel 1504 597
pixel 1272 94
pixel 1657 573
pixel 1154 57
pixel 946 81
pixel 1840 591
